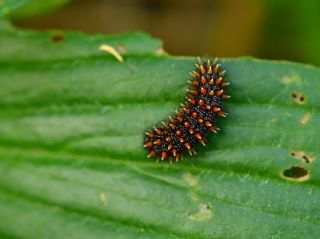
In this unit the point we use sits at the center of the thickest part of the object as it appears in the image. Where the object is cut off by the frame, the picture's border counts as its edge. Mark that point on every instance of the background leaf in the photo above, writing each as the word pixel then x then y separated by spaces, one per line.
pixel 24 9
pixel 72 163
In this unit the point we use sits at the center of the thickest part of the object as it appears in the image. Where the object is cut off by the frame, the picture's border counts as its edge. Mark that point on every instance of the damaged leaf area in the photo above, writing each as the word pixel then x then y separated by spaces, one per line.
pixel 72 163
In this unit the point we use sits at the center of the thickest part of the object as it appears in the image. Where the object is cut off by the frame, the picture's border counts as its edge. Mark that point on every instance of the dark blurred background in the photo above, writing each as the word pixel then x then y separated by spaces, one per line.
pixel 273 29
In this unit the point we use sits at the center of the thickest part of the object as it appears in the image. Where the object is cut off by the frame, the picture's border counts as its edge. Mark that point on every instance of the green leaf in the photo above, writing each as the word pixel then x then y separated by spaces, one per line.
pixel 72 164
pixel 23 9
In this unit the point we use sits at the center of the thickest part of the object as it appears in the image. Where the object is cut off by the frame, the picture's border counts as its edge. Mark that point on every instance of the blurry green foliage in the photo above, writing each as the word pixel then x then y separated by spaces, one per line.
pixel 291 30
pixel 24 9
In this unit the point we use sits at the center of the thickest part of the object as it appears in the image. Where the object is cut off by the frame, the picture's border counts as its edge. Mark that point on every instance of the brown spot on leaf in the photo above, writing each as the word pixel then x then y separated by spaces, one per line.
pixel 301 155
pixel 299 98
pixel 57 37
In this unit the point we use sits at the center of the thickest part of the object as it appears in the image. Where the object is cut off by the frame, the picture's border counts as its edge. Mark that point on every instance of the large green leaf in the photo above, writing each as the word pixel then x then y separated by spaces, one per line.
pixel 72 164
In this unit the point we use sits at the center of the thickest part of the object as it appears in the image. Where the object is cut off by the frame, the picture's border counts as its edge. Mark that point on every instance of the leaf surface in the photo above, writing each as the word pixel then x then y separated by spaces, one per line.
pixel 72 164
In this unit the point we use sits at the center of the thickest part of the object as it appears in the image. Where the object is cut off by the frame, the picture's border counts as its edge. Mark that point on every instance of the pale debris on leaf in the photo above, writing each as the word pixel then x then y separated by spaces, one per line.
pixel 111 50
pixel 305 119
pixel 204 213
pixel 191 180
pixel 103 198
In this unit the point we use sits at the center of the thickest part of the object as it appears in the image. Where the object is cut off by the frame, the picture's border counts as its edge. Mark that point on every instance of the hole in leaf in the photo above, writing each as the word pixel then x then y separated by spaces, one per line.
pixel 296 174
pixel 299 98
pixel 57 37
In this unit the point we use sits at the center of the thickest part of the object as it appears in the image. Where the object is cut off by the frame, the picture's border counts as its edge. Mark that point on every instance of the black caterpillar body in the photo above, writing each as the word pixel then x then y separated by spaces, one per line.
pixel 197 116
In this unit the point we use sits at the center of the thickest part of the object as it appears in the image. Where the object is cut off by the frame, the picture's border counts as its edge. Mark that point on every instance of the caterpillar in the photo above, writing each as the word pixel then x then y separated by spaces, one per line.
pixel 197 116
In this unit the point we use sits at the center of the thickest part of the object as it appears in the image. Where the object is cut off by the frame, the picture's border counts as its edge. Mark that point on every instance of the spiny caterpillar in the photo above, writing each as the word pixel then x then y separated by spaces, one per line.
pixel 196 117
